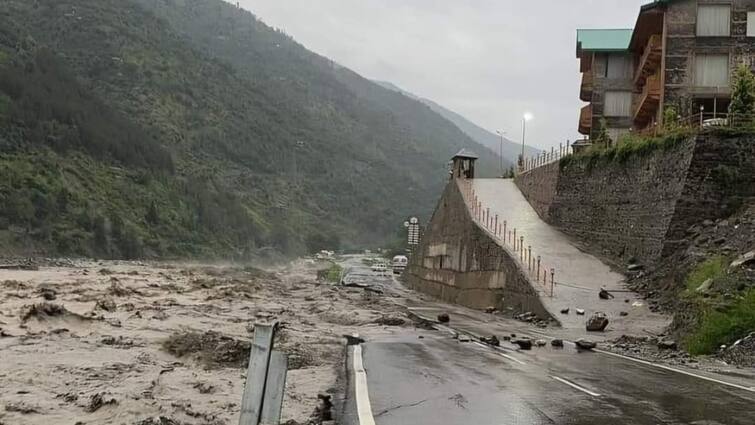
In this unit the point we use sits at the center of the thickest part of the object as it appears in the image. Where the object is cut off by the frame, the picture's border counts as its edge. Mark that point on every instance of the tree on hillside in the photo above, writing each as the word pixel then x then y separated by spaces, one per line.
pixel 743 92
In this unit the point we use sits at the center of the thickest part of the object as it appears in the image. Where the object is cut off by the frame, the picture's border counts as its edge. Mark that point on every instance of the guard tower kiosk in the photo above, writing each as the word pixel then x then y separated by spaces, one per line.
pixel 463 165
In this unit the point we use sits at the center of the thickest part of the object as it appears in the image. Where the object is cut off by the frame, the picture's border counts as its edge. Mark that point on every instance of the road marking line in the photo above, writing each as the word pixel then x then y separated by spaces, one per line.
pixel 575 386
pixel 673 369
pixel 512 358
pixel 364 409
pixel 499 353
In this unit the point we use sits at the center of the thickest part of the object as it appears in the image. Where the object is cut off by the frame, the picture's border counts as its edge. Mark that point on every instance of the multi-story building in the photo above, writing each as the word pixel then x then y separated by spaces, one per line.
pixel 680 54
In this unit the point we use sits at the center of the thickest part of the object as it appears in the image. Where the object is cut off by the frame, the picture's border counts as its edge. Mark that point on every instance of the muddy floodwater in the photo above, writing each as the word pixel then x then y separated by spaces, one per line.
pixel 136 343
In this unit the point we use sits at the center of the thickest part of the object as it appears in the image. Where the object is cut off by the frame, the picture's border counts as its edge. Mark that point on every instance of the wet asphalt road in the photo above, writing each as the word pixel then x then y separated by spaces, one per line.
pixel 429 377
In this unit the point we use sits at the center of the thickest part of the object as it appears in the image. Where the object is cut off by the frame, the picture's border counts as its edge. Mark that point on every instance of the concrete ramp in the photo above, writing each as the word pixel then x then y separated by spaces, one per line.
pixel 579 276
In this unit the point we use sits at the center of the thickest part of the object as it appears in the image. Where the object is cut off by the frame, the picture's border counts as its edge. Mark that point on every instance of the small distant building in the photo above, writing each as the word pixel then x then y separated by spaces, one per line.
pixel 463 164
pixel 680 54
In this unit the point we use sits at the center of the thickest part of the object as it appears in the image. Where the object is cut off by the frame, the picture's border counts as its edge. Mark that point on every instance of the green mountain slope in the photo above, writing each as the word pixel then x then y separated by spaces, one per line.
pixel 511 149
pixel 198 130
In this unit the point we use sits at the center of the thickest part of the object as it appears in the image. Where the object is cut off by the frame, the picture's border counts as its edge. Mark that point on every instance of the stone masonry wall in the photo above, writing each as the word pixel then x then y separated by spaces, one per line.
pixel 459 262
pixel 642 207
pixel 539 187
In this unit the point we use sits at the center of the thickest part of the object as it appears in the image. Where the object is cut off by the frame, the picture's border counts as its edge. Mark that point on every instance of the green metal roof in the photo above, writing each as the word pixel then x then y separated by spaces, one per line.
pixel 605 40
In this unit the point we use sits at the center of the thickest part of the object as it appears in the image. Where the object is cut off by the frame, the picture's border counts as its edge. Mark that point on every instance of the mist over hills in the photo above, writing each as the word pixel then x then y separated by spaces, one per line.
pixel 175 128
pixel 511 149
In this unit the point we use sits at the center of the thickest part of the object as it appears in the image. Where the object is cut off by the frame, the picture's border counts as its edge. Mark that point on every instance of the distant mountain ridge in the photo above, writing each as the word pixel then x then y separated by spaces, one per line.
pixel 189 128
pixel 511 149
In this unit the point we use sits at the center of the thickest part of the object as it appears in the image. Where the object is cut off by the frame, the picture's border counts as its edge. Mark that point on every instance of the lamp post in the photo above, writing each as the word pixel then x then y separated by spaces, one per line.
pixel 500 153
pixel 526 117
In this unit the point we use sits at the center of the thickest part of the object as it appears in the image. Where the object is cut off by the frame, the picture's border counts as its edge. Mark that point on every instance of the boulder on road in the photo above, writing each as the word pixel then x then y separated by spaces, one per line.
pixel 565 310
pixel 491 340
pixel 523 343
pixel 585 344
pixel 557 343
pixel 540 343
pixel 667 344
pixel 444 318
pixel 597 322
pixel 580 312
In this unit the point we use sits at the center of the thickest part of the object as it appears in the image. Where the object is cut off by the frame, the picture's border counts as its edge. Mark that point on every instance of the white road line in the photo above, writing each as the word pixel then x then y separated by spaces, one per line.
pixel 575 386
pixel 512 358
pixel 364 409
pixel 500 354
pixel 673 369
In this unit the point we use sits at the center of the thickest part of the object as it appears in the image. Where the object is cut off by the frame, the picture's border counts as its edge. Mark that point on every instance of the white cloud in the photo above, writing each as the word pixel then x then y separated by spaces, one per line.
pixel 489 60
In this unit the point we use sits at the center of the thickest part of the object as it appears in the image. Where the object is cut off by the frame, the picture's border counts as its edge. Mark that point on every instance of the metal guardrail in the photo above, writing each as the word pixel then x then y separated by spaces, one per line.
pixel 545 157
pixel 506 235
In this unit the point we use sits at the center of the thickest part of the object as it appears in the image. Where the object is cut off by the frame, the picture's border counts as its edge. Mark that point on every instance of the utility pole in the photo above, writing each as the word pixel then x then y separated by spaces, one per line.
pixel 526 117
pixel 500 153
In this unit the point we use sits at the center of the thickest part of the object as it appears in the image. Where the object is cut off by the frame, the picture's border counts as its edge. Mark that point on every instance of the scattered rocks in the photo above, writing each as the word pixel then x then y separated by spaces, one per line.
pixel 106 305
pixel 119 341
pixel 635 267
pixel 463 338
pixel 623 314
pixel 45 311
pixel 523 343
pixel 211 348
pixel 21 408
pixel 390 321
pixel 97 401
pixel 558 343
pixel 541 343
pixel 491 340
pixel 353 339
pixel 491 310
pixel 597 322
pixel 580 312
pixel 605 295
pixel 444 318
pixel 565 310
pixel 667 344
pixel 204 388
pixel 48 294
pixel 324 410
pixel 585 344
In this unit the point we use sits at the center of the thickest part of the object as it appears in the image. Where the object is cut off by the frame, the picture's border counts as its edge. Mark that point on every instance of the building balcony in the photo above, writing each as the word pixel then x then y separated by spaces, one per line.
pixel 585 91
pixel 585 120
pixel 646 103
pixel 650 61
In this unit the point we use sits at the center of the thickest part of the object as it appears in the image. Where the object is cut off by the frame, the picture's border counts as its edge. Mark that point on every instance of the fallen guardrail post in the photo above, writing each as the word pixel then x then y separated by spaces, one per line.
pixel 265 384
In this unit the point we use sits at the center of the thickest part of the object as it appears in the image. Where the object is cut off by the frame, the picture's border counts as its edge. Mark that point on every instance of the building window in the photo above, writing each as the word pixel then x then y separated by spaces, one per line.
pixel 619 66
pixel 714 20
pixel 712 70
pixel 618 104
pixel 751 24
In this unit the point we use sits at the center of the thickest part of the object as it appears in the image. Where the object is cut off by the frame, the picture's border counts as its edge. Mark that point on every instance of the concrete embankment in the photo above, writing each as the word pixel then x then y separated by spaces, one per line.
pixel 460 262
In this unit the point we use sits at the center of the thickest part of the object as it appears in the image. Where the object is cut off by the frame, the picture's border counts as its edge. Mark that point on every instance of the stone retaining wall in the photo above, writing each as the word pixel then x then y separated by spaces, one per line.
pixel 640 208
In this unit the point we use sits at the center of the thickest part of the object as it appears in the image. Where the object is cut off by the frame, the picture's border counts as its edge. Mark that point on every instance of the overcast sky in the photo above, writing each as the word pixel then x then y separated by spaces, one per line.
pixel 489 60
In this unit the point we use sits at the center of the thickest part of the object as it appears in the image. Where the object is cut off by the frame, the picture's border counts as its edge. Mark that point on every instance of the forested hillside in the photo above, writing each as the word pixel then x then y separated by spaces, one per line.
pixel 134 128
pixel 511 150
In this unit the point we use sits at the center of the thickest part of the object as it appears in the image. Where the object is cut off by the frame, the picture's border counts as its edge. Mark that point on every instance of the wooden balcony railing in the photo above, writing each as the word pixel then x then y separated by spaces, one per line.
pixel 646 103
pixel 650 60
pixel 585 92
pixel 585 120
